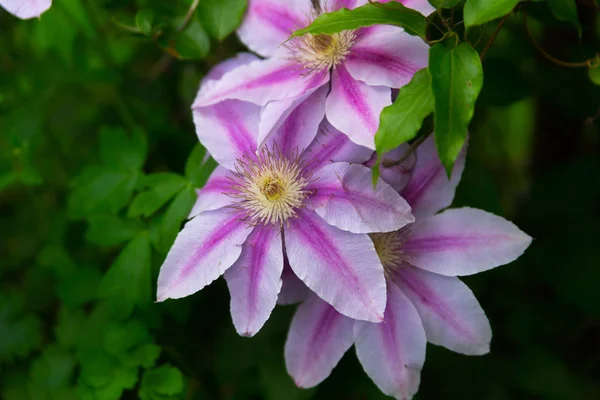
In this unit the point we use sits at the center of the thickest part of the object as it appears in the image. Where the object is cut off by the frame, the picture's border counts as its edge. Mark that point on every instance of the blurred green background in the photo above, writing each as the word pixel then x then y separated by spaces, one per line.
pixel 99 159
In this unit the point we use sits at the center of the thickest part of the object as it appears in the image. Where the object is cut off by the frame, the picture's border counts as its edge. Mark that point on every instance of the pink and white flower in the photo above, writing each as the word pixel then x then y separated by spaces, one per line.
pixel 297 194
pixel 426 301
pixel 26 9
pixel 359 68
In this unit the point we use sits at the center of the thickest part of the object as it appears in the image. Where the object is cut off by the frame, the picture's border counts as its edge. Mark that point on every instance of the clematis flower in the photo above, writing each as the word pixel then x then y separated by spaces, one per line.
pixel 358 67
pixel 26 9
pixel 311 204
pixel 426 301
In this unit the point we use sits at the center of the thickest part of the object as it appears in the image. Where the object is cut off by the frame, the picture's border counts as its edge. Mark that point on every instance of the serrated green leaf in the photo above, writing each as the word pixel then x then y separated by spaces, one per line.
pixel 165 382
pixel 120 150
pixel 177 212
pixel 110 230
pixel 221 17
pixel 456 80
pixel 128 281
pixel 401 121
pixel 163 186
pixel 102 377
pixel 391 13
pixel 565 10
pixel 132 344
pixel 478 12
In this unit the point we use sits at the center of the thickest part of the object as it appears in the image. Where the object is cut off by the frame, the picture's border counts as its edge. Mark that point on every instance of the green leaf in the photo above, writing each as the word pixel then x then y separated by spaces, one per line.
pixel 478 12
pixel 401 121
pixel 391 13
pixel 163 187
pixel 445 3
pixel 165 382
pixel 565 10
pixel 102 377
pixel 128 281
pixel 221 17
pixel 21 333
pixel 456 80
pixel 79 287
pixel 120 150
pixel 51 373
pixel 131 344
pixel 176 213
pixel 70 328
pixel 100 190
pixel 144 20
pixel 110 230
pixel 191 43
pixel 594 74
pixel 195 166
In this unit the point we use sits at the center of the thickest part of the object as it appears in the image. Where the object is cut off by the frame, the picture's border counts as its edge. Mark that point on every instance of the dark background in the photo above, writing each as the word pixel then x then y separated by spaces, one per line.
pixel 66 329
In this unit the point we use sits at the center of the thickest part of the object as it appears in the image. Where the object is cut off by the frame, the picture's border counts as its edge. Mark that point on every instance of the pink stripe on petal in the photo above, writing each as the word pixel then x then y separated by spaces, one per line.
pixel 318 338
pixel 206 247
pixel 353 107
pixel 344 197
pixel 254 280
pixel 429 189
pixel 393 351
pixel 464 241
pixel 341 267
pixel 228 130
pixel 26 9
pixel 331 145
pixel 213 195
pixel 451 314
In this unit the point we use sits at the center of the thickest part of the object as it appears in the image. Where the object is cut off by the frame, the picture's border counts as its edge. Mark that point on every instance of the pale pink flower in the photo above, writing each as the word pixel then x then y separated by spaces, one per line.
pixel 298 195
pixel 426 301
pixel 359 68
pixel 26 9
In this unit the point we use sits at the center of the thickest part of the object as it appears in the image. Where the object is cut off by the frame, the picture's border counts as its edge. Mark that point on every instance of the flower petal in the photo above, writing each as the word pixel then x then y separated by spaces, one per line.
pixel 353 107
pixel 293 289
pixel 393 351
pixel 230 64
pixel 429 189
pixel 212 196
pixel 228 130
pixel 451 314
pixel 397 176
pixel 203 250
pixel 26 9
pixel 254 280
pixel 269 23
pixel 334 5
pixel 421 6
pixel 387 58
pixel 318 338
pixel 260 82
pixel 341 267
pixel 465 241
pixel 299 123
pixel 344 197
pixel 331 145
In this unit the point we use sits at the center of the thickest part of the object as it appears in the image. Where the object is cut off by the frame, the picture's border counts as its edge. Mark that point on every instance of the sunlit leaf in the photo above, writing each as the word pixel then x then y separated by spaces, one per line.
pixel 478 12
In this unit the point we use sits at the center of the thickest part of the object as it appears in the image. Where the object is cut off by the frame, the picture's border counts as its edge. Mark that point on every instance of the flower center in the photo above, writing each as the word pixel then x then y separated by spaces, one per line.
pixel 389 248
pixel 269 187
pixel 322 51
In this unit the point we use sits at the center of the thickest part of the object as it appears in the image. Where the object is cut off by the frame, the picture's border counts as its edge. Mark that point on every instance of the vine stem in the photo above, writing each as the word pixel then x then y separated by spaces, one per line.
pixel 494 35
pixel 189 15
pixel 589 63
pixel 389 163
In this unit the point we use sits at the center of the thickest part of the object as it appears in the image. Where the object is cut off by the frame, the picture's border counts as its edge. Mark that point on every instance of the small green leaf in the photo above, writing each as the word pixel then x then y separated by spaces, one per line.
pixel 391 13
pixel 144 20
pixel 102 377
pixel 176 213
pixel 79 287
pixel 221 17
pixel 120 150
pixel 51 373
pixel 478 12
pixel 456 80
pixel 21 333
pixel 401 121
pixel 128 281
pixel 132 344
pixel 565 10
pixel 445 3
pixel 191 43
pixel 594 74
pixel 110 230
pixel 164 382
pixel 163 187
pixel 199 166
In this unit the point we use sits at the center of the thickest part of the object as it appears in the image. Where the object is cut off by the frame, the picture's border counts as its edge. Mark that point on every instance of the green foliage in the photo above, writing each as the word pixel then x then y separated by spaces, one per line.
pixel 445 3
pixel 391 13
pixel 479 12
pixel 162 383
pixel 565 10
pixel 221 17
pixel 21 333
pixel 456 79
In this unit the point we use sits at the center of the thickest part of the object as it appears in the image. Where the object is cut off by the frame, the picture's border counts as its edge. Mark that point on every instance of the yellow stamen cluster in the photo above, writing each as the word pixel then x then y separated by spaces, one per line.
pixel 322 51
pixel 389 248
pixel 269 187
